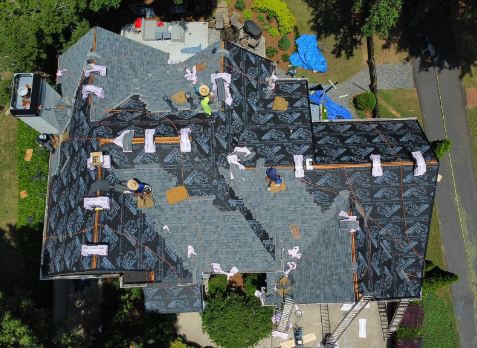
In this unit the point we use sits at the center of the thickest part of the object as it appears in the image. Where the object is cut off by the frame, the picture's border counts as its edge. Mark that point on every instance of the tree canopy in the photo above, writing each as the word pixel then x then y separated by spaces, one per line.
pixel 236 321
pixel 435 277
pixel 381 15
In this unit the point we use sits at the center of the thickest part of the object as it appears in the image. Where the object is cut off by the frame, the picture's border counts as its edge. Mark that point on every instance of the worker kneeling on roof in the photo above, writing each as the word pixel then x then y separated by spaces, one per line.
pixel 137 189
pixel 273 176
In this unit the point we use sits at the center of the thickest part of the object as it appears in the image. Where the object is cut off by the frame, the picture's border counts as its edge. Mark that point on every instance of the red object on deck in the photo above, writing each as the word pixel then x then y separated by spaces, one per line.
pixel 160 24
pixel 138 23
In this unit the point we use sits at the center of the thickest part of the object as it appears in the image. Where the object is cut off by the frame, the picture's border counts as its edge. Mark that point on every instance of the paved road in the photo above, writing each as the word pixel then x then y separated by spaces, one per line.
pixel 457 192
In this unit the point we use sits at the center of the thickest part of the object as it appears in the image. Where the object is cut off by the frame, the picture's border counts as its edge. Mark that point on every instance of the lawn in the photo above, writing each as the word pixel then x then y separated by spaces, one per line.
pixel 472 118
pixel 9 253
pixel 440 326
pixel 340 68
pixel 399 103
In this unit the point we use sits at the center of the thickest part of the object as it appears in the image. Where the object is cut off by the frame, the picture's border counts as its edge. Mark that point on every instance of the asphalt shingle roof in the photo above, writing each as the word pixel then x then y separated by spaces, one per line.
pixel 240 223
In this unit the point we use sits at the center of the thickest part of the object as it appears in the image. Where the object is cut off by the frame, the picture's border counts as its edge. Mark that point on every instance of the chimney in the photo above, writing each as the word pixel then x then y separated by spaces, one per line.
pixel 34 101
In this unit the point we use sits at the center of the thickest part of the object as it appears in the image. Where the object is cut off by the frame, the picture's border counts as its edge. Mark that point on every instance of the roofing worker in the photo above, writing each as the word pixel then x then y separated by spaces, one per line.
pixel 135 187
pixel 205 105
pixel 273 176
pixel 44 141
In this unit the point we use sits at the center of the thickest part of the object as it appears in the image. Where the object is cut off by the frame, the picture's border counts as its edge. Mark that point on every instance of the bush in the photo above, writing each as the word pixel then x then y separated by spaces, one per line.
pixel 217 285
pixel 240 5
pixel 440 147
pixel 228 2
pixel 284 43
pixel 365 101
pixel 247 14
pixel 261 18
pixel 271 51
pixel 409 332
pixel 437 278
pixel 236 321
pixel 270 15
pixel 273 32
pixel 285 18
pixel 251 284
pixel 413 317
pixel 285 57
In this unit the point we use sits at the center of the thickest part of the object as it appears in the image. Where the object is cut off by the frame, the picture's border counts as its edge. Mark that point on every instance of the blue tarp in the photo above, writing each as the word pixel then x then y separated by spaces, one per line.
pixel 334 110
pixel 308 56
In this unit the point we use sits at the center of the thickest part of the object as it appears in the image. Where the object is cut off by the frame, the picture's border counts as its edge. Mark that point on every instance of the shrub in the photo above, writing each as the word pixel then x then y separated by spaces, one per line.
pixel 177 2
pixel 217 285
pixel 261 18
pixel 413 317
pixel 437 278
pixel 440 147
pixel 270 15
pixel 271 51
pixel 236 321
pixel 247 14
pixel 285 57
pixel 365 101
pixel 251 284
pixel 409 344
pixel 409 332
pixel 228 2
pixel 273 32
pixel 285 18
pixel 284 43
pixel 240 5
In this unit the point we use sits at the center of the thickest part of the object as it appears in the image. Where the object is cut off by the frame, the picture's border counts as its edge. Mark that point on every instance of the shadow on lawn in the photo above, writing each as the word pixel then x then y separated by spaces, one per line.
pixel 335 18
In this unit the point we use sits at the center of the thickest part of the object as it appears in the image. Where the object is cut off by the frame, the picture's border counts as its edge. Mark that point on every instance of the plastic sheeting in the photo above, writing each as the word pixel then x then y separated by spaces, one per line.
pixel 335 111
pixel 90 89
pixel 185 140
pixel 93 68
pixel 308 56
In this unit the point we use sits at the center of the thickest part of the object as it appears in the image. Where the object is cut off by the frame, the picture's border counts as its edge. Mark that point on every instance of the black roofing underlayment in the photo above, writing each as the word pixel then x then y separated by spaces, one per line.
pixel 398 241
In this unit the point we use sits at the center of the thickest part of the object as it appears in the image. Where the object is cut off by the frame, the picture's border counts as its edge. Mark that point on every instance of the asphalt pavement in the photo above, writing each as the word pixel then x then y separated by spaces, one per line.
pixel 437 84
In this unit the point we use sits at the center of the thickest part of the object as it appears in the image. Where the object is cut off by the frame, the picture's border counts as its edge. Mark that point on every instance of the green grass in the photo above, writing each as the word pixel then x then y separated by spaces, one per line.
pixel 398 103
pixel 472 118
pixel 440 326
pixel 339 69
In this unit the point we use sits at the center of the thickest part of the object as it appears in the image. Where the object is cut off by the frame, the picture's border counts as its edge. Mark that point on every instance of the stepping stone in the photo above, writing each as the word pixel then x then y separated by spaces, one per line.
pixel 31 219
pixel 222 4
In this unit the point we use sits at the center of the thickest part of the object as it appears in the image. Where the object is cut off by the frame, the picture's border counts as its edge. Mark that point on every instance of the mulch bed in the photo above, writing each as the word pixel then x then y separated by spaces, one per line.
pixel 236 282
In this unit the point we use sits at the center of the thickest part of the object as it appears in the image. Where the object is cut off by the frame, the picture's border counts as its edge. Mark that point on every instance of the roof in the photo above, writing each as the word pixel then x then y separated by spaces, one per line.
pixel 236 222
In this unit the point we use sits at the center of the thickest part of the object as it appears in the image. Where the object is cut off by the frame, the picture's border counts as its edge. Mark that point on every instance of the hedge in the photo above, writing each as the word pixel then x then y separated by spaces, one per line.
pixel 285 18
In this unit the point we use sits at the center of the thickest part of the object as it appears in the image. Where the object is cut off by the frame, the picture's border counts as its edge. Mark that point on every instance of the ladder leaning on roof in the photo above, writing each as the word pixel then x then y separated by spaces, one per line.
pixel 286 313
pixel 348 318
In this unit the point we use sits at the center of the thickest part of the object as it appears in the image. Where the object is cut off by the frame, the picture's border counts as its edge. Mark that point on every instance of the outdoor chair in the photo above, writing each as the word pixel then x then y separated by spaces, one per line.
pixel 235 22
pixel 219 20
pixel 253 43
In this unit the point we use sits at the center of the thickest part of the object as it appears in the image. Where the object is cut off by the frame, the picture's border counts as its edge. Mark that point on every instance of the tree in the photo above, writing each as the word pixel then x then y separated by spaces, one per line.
pixel 380 15
pixel 440 147
pixel 435 277
pixel 104 5
pixel 74 339
pixel 125 321
pixel 22 324
pixel 236 321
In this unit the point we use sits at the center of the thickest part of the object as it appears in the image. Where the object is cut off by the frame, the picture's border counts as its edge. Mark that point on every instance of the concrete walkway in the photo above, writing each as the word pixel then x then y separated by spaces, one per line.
pixel 457 192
